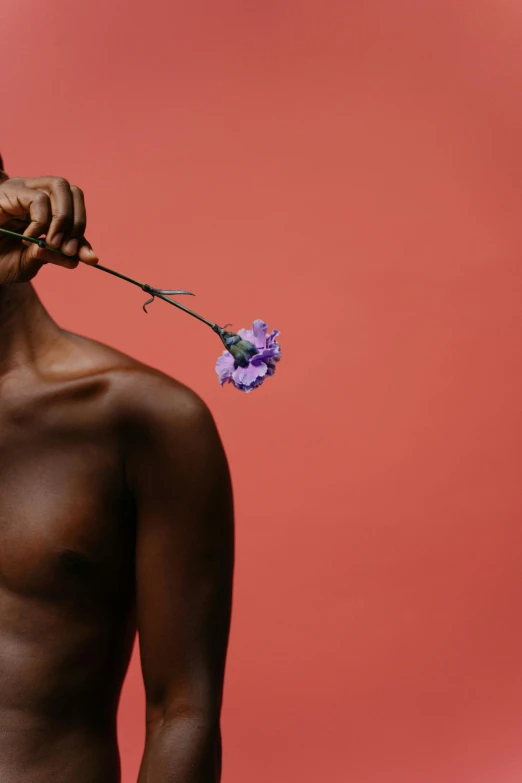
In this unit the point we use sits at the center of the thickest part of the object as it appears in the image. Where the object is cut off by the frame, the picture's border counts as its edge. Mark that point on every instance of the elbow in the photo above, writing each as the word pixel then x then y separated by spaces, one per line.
pixel 193 718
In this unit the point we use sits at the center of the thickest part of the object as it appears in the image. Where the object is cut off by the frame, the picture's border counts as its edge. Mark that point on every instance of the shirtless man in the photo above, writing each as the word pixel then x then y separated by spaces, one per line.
pixel 115 516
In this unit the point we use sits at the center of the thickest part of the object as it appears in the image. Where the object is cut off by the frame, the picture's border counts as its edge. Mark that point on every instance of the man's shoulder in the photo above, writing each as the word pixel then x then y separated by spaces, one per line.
pixel 149 399
pixel 166 428
pixel 140 395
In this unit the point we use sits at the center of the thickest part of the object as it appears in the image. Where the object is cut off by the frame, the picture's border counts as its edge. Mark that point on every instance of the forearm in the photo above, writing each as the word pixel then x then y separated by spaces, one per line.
pixel 183 750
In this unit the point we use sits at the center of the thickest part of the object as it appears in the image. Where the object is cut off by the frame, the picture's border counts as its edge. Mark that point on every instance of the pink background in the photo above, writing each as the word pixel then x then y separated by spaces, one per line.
pixel 351 172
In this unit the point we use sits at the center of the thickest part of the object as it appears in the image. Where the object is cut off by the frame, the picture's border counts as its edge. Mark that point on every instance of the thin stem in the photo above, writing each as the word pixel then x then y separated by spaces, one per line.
pixel 113 272
pixel 186 309
pixel 144 286
pixel 21 236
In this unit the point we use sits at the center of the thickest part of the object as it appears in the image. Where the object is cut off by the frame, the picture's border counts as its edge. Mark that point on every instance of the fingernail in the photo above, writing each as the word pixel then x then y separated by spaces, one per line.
pixel 70 247
pixel 56 241
pixel 91 253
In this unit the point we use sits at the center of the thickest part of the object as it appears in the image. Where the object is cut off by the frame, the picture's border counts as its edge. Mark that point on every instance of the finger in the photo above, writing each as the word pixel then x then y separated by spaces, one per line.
pixel 62 208
pixel 20 203
pixel 34 253
pixel 74 240
pixel 87 254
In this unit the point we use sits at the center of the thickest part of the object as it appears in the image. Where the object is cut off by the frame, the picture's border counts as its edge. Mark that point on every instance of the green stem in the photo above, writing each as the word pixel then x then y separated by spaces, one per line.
pixel 112 272
pixel 185 309
pixel 144 286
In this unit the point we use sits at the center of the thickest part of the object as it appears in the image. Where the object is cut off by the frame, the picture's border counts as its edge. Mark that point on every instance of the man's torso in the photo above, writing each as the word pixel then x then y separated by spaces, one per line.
pixel 66 572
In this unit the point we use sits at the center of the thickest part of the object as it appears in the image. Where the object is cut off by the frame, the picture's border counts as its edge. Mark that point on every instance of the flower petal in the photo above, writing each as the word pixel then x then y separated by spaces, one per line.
pixel 271 338
pixel 264 355
pixel 225 367
pixel 259 328
pixel 242 388
pixel 247 334
pixel 250 376
pixel 271 365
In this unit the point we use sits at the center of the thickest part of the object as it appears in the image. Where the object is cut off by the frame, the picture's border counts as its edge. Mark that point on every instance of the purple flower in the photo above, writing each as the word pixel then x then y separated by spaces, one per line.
pixel 243 367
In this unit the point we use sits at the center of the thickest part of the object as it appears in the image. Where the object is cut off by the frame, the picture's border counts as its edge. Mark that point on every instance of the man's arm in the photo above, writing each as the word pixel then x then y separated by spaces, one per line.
pixel 179 477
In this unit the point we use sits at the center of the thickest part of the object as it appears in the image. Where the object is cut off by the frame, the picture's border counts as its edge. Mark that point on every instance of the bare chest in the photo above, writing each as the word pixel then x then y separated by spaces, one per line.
pixel 65 522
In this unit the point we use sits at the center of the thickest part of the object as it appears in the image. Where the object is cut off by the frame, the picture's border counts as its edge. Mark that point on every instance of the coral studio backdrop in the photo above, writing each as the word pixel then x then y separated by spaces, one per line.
pixel 351 173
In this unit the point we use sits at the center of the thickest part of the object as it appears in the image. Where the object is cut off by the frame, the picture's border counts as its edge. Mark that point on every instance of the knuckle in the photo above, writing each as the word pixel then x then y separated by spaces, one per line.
pixel 60 182
pixel 77 190
pixel 62 216
pixel 79 226
pixel 38 226
pixel 39 223
pixel 40 197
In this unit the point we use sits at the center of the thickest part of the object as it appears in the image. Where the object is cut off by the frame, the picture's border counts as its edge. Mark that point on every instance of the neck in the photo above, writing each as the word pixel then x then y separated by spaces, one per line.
pixel 26 329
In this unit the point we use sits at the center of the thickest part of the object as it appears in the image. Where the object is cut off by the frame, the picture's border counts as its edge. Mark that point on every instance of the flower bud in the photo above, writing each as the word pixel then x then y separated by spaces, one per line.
pixel 242 350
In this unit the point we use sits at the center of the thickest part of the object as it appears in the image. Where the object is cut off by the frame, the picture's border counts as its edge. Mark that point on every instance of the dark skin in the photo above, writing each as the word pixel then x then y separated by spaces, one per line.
pixel 115 516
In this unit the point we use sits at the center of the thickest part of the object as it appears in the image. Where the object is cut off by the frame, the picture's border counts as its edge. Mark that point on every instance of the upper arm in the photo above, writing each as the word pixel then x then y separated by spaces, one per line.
pixel 179 478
